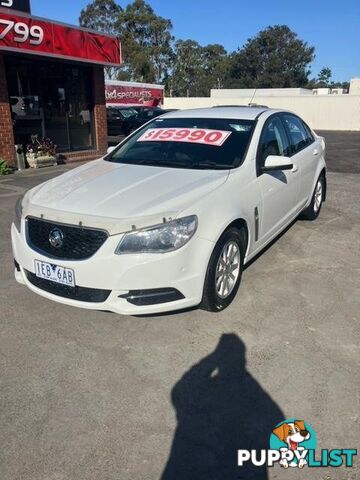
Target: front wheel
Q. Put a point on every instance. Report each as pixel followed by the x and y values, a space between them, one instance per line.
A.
pixel 224 271
pixel 313 210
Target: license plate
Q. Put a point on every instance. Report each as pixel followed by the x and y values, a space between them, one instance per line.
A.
pixel 55 273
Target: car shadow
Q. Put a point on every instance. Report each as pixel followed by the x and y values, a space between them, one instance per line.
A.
pixel 220 408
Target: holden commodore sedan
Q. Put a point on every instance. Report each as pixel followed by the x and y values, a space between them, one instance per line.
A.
pixel 168 219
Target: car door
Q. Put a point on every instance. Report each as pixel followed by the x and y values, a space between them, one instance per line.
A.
pixel 279 189
pixel 306 152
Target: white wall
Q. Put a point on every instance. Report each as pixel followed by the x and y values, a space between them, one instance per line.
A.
pixel 354 86
pixel 261 92
pixel 328 112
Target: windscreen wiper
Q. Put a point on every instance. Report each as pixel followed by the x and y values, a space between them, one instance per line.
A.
pixel 211 166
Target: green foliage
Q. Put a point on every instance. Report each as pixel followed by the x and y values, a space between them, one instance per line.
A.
pixel 146 43
pixel 275 57
pixel 345 85
pixel 4 168
pixel 101 15
pixel 187 69
pixel 215 65
pixel 145 38
pixel 324 76
pixel 197 69
pixel 323 80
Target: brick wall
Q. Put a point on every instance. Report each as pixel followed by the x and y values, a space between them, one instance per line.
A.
pixel 6 129
pixel 100 120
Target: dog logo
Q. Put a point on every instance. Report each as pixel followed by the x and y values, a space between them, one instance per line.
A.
pixel 56 238
pixel 293 443
pixel 289 439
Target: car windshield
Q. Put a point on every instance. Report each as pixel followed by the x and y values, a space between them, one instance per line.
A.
pixel 208 143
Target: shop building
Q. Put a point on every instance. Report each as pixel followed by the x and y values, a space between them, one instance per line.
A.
pixel 52 83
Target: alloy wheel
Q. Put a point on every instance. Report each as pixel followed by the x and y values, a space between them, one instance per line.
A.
pixel 318 196
pixel 227 269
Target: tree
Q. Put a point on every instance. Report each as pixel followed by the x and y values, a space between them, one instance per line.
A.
pixel 196 69
pixel 145 38
pixel 344 85
pixel 324 77
pixel 276 57
pixel 186 71
pixel 146 42
pixel 102 16
pixel 215 68
pixel 322 80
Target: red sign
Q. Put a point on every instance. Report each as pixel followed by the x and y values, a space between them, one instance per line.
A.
pixel 21 33
pixel 130 93
pixel 188 135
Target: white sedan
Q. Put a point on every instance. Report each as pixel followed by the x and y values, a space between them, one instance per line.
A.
pixel 168 219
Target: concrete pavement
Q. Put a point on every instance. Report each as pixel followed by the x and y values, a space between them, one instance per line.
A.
pixel 90 395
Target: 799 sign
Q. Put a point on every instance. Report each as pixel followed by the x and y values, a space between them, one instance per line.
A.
pixel 22 32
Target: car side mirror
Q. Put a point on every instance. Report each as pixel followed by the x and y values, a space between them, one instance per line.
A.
pixel 277 162
pixel 110 150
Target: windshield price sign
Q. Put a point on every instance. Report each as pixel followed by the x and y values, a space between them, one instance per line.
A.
pixel 21 5
pixel 188 135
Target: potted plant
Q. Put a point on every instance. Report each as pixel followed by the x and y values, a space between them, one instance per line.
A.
pixel 41 152
pixel 4 168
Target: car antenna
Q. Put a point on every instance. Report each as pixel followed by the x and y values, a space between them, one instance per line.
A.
pixel 252 98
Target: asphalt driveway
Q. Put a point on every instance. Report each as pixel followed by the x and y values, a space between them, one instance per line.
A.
pixel 95 396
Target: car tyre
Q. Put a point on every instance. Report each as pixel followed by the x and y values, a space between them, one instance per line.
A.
pixel 224 271
pixel 313 210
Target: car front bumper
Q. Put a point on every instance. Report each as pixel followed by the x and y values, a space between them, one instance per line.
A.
pixel 125 276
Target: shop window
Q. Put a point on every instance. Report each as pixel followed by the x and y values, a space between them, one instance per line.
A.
pixel 51 99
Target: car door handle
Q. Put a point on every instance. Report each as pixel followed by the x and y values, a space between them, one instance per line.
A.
pixel 295 168
pixel 316 152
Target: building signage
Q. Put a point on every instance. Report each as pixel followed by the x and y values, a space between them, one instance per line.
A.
pixel 21 5
pixel 32 35
pixel 131 93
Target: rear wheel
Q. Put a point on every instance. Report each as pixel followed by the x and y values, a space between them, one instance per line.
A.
pixel 224 271
pixel 313 210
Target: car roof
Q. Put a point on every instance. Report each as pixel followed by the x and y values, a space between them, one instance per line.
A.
pixel 243 113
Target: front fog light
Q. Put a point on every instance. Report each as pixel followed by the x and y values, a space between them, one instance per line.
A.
pixel 160 238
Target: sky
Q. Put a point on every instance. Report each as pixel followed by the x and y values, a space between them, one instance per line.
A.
pixel 332 27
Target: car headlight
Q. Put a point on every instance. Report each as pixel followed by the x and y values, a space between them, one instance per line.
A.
pixel 18 213
pixel 160 238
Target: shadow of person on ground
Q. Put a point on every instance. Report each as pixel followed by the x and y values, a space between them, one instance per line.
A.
pixel 220 408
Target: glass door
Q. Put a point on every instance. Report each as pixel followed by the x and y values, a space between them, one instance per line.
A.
pixel 56 112
pixel 24 93
pixel 80 108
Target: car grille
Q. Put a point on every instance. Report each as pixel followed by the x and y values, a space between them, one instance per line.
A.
pixel 78 242
pixel 82 294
